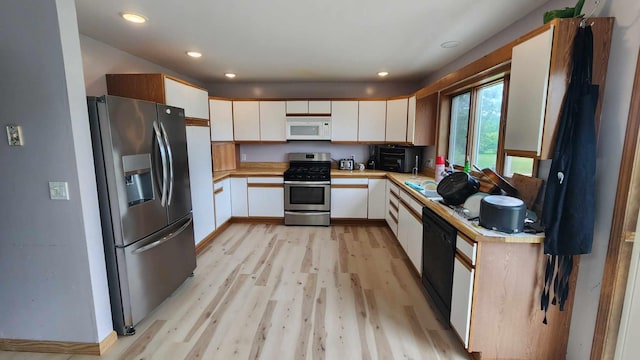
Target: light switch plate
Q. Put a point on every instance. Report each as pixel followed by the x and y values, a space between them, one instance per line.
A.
pixel 58 190
pixel 14 135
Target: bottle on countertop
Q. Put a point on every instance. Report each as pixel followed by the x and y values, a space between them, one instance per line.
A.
pixel 439 168
pixel 467 166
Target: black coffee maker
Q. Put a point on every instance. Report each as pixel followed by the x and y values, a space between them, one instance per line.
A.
pixel 373 157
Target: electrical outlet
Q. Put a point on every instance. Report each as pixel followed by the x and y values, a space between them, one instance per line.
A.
pixel 243 157
pixel 14 135
pixel 429 163
pixel 58 190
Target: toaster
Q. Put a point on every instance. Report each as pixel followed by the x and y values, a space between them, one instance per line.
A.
pixel 346 164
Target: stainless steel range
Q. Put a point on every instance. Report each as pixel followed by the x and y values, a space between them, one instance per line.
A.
pixel 307 189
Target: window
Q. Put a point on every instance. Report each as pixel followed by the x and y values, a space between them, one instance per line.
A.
pixel 474 130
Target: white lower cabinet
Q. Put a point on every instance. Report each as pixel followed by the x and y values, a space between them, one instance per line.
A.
pixel 404 219
pixel 414 243
pixel 461 299
pixel 410 229
pixel 376 201
pixel 391 207
pixel 265 197
pixel 239 207
pixel 222 193
pixel 349 198
pixel 200 177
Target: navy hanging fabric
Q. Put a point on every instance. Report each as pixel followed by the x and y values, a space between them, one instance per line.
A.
pixel 569 202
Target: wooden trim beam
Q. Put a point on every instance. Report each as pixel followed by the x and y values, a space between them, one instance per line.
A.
pixel 189 121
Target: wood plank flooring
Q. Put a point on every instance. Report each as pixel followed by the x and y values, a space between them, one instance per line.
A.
pixel 282 292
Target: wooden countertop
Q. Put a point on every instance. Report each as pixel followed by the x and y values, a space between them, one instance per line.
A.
pixel 469 229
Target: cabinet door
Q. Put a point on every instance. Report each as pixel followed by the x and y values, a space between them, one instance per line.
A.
pixel 461 299
pixel 414 241
pixel 396 123
pixel 319 107
pixel 193 100
pixel 222 192
pixel 344 121
pixel 297 107
pixel 266 201
pixel 376 206
pixel 273 121
pixel 404 227
pixel 349 198
pixel 246 120
pixel 530 64
pixel 221 120
pixel 391 207
pixel 371 120
pixel 239 205
pixel 201 180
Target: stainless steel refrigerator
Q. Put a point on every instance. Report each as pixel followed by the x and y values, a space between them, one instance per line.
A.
pixel 140 152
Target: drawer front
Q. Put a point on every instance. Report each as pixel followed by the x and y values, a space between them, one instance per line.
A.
pixel 409 200
pixel 350 181
pixel 467 247
pixel 265 180
pixel 394 189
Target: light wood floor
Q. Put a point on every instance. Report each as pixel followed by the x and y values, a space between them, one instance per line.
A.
pixel 281 292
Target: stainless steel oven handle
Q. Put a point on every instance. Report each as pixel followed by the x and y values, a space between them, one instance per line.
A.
pixel 310 183
pixel 318 213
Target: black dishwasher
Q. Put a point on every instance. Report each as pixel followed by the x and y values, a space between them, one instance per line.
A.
pixel 438 252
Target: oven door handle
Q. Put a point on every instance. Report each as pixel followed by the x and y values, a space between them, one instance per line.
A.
pixel 310 183
pixel 306 213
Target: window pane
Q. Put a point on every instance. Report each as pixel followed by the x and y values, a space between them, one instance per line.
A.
pixel 485 147
pixel 520 165
pixel 459 125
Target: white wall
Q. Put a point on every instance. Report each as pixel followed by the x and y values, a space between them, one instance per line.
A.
pixel 99 59
pixel 624 51
pixel 52 273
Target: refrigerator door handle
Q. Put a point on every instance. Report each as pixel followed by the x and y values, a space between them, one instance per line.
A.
pixel 163 156
pixel 164 239
pixel 170 157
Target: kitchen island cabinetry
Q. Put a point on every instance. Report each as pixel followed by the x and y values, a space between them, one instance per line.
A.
pixel 265 197
pixel 349 198
pixel 221 119
pixel 222 193
pixel 371 121
pixel 396 121
pixel 163 89
pixel 540 70
pixel 344 121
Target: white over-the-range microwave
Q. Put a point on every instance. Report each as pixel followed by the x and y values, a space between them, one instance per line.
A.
pixel 309 128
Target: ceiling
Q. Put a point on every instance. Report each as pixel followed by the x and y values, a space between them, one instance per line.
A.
pixel 300 40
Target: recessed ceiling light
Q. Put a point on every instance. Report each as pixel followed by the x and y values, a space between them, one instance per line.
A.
pixel 194 54
pixel 134 18
pixel 449 44
pixel 383 73
pixel 230 75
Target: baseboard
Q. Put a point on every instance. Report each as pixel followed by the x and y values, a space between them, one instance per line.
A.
pixel 378 222
pixel 258 220
pixel 59 347
pixel 207 240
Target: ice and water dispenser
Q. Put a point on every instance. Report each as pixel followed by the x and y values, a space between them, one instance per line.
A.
pixel 137 178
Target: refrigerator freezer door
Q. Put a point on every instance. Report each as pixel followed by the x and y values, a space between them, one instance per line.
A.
pixel 127 136
pixel 155 267
pixel 173 129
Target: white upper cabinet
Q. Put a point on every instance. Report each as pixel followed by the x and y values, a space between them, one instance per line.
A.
pixel 221 120
pixel 371 120
pixel 528 86
pixel 193 100
pixel 273 121
pixel 396 121
pixel 246 120
pixel 309 107
pixel 344 121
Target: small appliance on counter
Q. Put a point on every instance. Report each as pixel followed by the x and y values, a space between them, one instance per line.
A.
pixel 502 213
pixel 400 159
pixel 346 164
